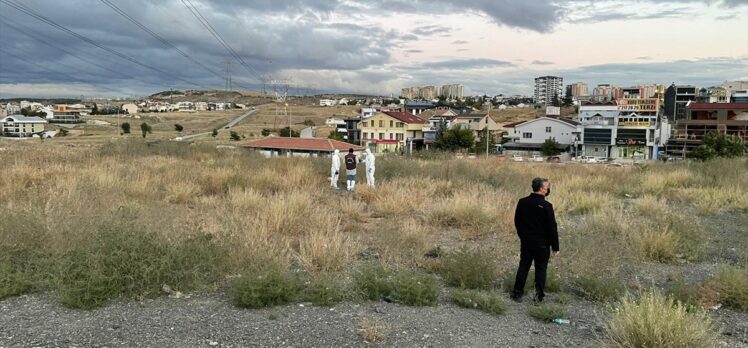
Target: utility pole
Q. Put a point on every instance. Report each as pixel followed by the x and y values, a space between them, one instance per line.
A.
pixel 228 74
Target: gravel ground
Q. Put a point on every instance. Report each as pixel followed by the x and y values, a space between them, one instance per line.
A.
pixel 210 320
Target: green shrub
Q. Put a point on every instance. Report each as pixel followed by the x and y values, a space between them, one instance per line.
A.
pixel 469 269
pixel 264 289
pixel 415 289
pixel 731 285
pixel 487 302
pixel 373 281
pixel 599 288
pixel 18 271
pixel 546 312
pixel 655 320
pixel 126 260
pixel 324 290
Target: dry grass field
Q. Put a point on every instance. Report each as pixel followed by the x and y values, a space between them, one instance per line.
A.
pixel 125 219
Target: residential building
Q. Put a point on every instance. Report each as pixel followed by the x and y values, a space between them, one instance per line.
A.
pixel 299 147
pixel 454 91
pixel 477 122
pixel 713 95
pixel 602 93
pixel 703 118
pixel 739 96
pixel 628 128
pixel 186 106
pixel 732 86
pixel 410 92
pixel 429 93
pixel 66 114
pixel 12 109
pixel 577 90
pixel 201 106
pixel 393 132
pixel 546 87
pixel 676 98
pixel 22 126
pixel 368 112
pixel 353 133
pixel 527 137
pixel 416 107
pixel 327 102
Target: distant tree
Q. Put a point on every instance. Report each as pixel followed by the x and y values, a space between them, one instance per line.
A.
pixel 63 132
pixel 28 112
pixel 549 147
pixel 145 128
pixel 455 139
pixel 265 132
pixel 125 128
pixel 214 133
pixel 335 136
pixel 555 101
pixel 480 143
pixel 720 145
pixel 234 136
pixel 568 100
pixel 178 127
pixel 95 110
pixel 309 123
pixel 284 132
pixel 353 102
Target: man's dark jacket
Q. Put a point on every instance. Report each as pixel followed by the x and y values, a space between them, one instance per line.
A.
pixel 536 223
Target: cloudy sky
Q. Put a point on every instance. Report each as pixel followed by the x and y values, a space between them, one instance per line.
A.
pixel 137 47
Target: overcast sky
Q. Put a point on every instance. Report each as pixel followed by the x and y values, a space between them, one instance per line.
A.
pixel 366 46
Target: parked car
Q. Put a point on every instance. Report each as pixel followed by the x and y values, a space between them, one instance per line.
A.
pixel 472 155
pixel 553 159
pixel 537 158
pixel 517 158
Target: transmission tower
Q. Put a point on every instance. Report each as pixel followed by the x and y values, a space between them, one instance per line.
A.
pixel 280 89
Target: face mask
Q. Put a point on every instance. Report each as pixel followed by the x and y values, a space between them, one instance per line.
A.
pixel 548 193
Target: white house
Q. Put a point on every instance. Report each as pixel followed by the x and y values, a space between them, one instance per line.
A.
pixel 327 102
pixel 130 108
pixel 22 126
pixel 527 137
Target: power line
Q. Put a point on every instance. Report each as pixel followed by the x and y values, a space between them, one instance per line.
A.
pixel 30 33
pixel 54 72
pixel 204 21
pixel 28 11
pixel 164 41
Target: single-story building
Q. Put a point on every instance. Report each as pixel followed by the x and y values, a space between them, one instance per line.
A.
pixel 299 147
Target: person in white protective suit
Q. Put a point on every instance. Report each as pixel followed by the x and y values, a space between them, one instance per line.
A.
pixel 335 169
pixel 369 161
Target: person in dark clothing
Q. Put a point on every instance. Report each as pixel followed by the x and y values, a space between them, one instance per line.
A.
pixel 538 235
pixel 350 170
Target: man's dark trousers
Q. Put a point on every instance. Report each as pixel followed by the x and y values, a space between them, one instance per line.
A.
pixel 529 255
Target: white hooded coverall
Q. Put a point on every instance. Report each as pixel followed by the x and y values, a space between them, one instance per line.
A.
pixel 370 167
pixel 335 169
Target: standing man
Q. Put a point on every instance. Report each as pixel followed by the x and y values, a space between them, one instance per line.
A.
pixel 350 170
pixel 369 160
pixel 335 169
pixel 538 234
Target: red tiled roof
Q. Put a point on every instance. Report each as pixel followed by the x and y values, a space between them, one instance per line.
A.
pixel 308 144
pixel 405 117
pixel 718 106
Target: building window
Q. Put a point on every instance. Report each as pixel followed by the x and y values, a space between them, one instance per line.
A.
pixel 381 135
pixel 400 136
pixel 390 123
pixel 363 124
pixel 547 129
pixel 381 124
pixel 391 136
pixel 371 136
pixel 399 125
pixel 527 135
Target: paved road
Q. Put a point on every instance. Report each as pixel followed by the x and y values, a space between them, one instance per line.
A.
pixel 229 125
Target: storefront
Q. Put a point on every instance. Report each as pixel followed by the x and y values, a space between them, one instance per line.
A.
pixel 632 149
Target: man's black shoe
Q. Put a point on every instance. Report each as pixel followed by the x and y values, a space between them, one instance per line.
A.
pixel 537 299
pixel 515 298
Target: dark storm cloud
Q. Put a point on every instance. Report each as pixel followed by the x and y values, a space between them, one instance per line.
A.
pixel 467 63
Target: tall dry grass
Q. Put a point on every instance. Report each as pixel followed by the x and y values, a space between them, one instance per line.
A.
pixel 280 214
